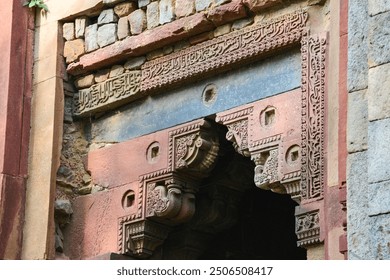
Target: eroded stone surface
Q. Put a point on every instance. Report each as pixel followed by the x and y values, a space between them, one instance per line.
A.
pixel 107 34
pixel 379 194
pixel 378 6
pixel 68 31
pixel 102 75
pixel 125 9
pixel 259 5
pixel 379 37
pixel 241 23
pixel 107 16
pixel 227 13
pixel 85 81
pixel 137 21
pixel 123 28
pixel 80 25
pixel 73 50
pixel 167 11
pixel 135 63
pixel 116 70
pixel 357 45
pixel 201 5
pixel 222 30
pixel 357 121
pixel 184 8
pixel 379 92
pixel 153 15
pixel 379 150
pixel 91 35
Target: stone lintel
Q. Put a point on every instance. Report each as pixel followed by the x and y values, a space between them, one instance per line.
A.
pixel 212 56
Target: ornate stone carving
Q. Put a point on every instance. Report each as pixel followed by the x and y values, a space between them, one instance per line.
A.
pixel 313 117
pixel 170 200
pixel 143 237
pixel 215 54
pixel 194 148
pixel 307 228
pixel 167 196
pixel 99 96
pixel 237 124
pixel 266 170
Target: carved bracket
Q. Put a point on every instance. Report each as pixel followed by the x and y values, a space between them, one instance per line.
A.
pixel 168 195
pixel 308 221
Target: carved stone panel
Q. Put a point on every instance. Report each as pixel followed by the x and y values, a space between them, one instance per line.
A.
pixel 313 117
pixel 213 56
pixel 269 132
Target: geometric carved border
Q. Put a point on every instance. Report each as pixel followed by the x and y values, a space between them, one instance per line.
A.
pixel 313 117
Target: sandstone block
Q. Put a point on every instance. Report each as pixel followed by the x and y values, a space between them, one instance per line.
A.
pixel 107 16
pixel 357 122
pixel 201 38
pixel 80 25
pixel 181 45
pixel 158 37
pixel 143 3
pixel 222 30
pixel 378 6
pixel 155 54
pixel 73 50
pixel 123 28
pixel 379 38
pixel 227 13
pixel 241 23
pixel 357 45
pixel 379 92
pixel 201 5
pixel 184 8
pixel 116 70
pixel 85 82
pixel 102 75
pixel 125 9
pixel 167 12
pixel 137 21
pixel 258 5
pixel 91 34
pixel 68 31
pixel 357 197
pixel 379 194
pixel 379 151
pixel 135 63
pixel 107 34
pixel 153 15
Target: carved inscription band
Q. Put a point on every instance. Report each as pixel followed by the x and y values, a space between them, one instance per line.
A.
pixel 238 46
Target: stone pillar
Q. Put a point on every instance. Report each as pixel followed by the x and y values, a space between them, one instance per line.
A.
pixel 16 44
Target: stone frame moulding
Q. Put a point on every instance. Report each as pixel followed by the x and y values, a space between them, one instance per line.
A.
pixel 166 197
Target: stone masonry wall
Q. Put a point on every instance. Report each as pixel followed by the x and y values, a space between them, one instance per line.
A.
pixel 368 178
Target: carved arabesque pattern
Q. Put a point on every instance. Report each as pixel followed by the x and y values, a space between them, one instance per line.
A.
pixel 238 134
pixel 313 117
pixel 307 228
pixel 266 170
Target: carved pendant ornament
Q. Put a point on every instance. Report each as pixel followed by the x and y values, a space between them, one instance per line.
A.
pixel 288 154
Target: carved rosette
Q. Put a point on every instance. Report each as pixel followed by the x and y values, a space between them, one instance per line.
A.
pixel 307 228
pixel 313 117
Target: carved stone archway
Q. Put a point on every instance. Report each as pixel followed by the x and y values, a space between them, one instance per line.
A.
pixel 284 135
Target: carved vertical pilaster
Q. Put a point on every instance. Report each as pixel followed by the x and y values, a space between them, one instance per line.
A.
pixel 313 117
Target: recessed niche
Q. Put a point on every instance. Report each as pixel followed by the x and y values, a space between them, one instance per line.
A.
pixel 153 152
pixel 292 155
pixel 209 94
pixel 128 199
pixel 268 116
